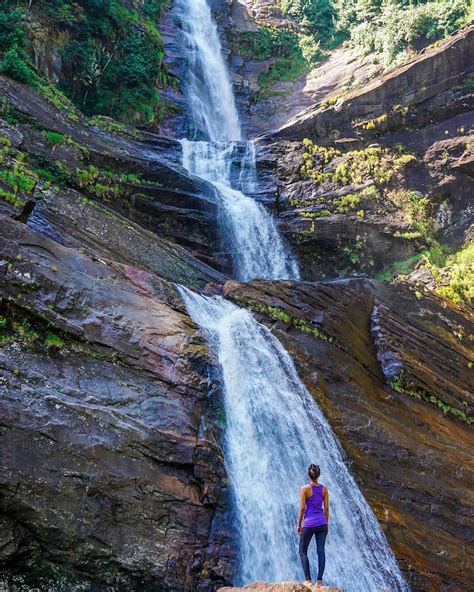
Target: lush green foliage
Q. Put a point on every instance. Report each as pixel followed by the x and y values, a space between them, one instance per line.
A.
pixel 374 163
pixel 392 26
pixel 268 42
pixel 112 57
pixel 317 18
pixel 455 277
pixel 14 59
pixel 388 26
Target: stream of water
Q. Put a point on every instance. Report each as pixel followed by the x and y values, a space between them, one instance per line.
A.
pixel 274 428
pixel 250 234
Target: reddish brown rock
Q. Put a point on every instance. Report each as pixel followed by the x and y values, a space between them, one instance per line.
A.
pixel 110 469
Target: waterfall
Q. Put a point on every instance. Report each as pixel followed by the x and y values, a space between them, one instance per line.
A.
pixel 252 238
pixel 209 88
pixel 274 430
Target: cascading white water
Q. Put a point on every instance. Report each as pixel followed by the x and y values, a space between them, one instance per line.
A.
pixel 208 88
pixel 256 247
pixel 274 429
pixel 254 243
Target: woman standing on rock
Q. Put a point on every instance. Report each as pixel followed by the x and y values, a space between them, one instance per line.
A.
pixel 313 519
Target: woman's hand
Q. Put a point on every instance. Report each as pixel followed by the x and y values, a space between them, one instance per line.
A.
pixel 298 529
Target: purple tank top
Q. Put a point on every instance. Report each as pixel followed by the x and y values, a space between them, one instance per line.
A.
pixel 314 514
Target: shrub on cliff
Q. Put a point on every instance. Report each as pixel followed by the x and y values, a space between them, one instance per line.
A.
pixel 112 57
pixel 389 27
pixel 392 26
pixel 317 17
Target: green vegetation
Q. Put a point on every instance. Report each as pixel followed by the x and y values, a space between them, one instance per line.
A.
pixel 416 208
pixel 393 26
pixel 55 137
pixel 292 56
pixel 347 203
pixel 18 325
pixel 111 126
pixel 15 59
pixel 103 184
pixel 376 125
pixel 455 276
pixel 390 27
pixel 316 17
pixel 355 166
pixel 399 269
pixel 53 341
pixel 112 57
pixel 16 176
pixel 452 273
pixel 278 314
pixel 7 112
pixel 402 384
pixel 52 173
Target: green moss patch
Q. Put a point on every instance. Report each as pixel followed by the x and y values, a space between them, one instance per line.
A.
pixel 19 325
pixel 278 314
pixel 402 384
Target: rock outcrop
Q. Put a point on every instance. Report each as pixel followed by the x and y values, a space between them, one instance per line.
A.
pixel 281 587
pixel 136 175
pixel 111 469
pixel 342 217
pixel 434 73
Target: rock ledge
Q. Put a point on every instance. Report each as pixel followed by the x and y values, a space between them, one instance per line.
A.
pixel 281 587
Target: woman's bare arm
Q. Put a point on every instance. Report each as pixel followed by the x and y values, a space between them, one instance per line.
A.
pixel 302 509
pixel 326 503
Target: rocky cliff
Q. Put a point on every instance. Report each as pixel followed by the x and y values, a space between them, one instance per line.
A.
pixel 383 172
pixel 112 475
pixel 111 468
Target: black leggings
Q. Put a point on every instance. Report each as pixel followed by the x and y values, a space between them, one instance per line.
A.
pixel 320 532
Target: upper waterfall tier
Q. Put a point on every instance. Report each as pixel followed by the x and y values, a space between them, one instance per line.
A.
pixel 210 90
pixel 250 234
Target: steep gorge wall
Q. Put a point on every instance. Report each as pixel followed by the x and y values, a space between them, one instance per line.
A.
pixel 104 372
pixel 378 360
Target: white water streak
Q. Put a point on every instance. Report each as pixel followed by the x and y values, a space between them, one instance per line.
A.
pixel 209 88
pixel 256 247
pixel 252 238
pixel 274 430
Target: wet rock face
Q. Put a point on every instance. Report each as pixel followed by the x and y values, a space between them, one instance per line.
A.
pixel 151 187
pixel 110 468
pixel 392 374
